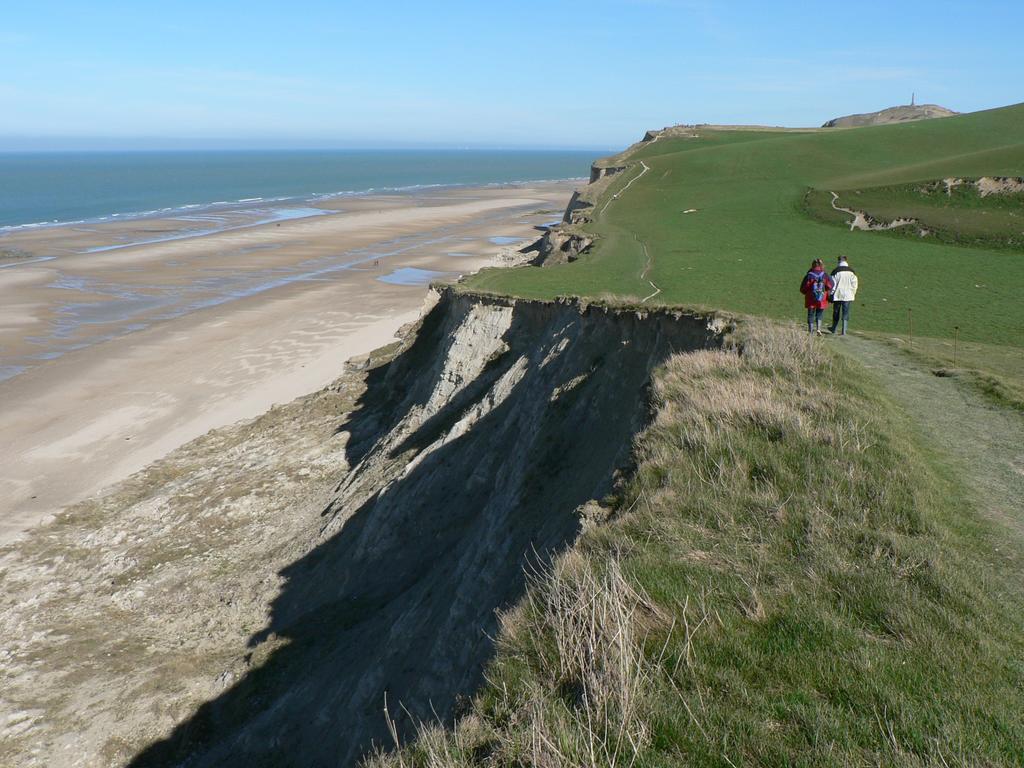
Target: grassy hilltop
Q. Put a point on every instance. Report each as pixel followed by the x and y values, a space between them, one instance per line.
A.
pixel 753 233
pixel 818 558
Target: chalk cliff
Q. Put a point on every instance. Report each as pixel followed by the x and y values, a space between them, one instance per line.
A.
pixel 259 594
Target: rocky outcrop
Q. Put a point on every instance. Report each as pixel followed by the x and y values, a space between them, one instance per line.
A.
pixel 565 242
pixel 598 172
pixel 999 185
pixel 986 185
pixel 578 209
pixel 903 114
pixel 561 245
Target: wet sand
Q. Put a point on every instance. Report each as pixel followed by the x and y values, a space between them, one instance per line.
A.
pixel 115 356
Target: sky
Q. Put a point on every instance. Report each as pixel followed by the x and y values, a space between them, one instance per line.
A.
pixel 381 74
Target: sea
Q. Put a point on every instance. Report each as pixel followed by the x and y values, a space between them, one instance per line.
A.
pixel 48 188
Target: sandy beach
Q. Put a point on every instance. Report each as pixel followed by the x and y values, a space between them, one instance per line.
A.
pixel 112 354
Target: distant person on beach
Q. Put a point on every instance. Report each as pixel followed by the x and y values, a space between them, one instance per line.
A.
pixel 816 287
pixel 844 291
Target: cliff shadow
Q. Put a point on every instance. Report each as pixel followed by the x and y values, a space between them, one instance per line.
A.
pixel 401 599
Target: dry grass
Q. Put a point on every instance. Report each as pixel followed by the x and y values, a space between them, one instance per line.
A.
pixel 586 629
pixel 785 581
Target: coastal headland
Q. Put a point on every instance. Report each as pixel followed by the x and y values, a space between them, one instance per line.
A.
pixel 570 518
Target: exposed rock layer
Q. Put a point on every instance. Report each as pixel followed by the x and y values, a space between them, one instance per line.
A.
pixel 560 245
pixel 987 185
pixel 472 452
pixel 251 599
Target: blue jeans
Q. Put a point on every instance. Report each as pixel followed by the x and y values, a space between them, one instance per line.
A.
pixel 814 319
pixel 840 309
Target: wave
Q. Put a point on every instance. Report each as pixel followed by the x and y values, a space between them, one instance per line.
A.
pixel 271 216
pixel 235 205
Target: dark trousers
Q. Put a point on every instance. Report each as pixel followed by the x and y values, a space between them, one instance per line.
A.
pixel 840 309
pixel 814 319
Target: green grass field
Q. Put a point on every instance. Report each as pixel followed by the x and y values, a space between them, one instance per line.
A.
pixel 751 240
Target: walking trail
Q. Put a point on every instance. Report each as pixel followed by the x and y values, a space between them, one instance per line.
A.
pixel 648 263
pixel 622 191
pixel 647 255
pixel 981 442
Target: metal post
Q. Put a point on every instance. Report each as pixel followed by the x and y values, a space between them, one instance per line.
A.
pixel 956 338
pixel 910 324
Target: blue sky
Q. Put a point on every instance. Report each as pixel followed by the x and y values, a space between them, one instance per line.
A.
pixel 527 74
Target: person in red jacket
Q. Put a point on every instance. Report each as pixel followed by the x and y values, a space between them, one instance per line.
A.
pixel 816 287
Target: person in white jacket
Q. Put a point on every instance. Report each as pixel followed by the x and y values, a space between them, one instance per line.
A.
pixel 844 291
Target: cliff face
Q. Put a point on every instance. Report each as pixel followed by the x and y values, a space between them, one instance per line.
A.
pixel 577 209
pixel 472 452
pixel 566 241
pixel 254 598
pixel 598 172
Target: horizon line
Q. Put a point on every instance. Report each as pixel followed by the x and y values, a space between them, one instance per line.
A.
pixel 21 144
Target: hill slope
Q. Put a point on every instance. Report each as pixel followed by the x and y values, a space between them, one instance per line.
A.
pixel 903 114
pixel 718 220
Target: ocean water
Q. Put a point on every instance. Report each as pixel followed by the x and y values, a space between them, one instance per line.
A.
pixel 40 188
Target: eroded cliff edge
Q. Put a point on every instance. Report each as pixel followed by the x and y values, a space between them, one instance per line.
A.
pixel 250 624
pixel 567 240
